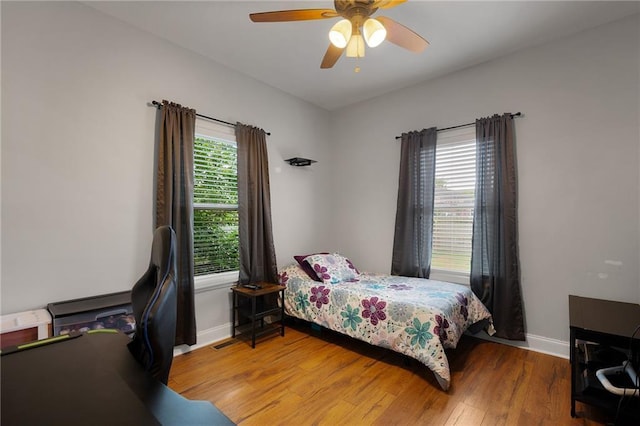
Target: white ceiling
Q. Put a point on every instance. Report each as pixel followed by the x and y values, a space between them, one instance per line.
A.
pixel 287 55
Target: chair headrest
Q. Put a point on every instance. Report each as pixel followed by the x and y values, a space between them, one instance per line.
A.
pixel 162 252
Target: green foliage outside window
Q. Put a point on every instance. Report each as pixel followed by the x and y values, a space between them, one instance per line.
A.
pixel 215 215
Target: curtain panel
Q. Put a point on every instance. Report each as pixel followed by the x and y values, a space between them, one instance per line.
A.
pixel 414 214
pixel 495 264
pixel 257 253
pixel 174 205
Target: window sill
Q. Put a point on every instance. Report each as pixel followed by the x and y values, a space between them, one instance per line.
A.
pixel 449 276
pixel 214 281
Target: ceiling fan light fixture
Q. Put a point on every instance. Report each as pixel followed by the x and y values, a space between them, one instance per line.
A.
pixel 374 32
pixel 354 29
pixel 340 33
pixel 355 47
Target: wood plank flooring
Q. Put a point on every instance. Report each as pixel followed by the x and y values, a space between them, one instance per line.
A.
pixel 312 378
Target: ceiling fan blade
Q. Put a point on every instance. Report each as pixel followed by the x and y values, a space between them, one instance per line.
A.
pixel 387 4
pixel 331 57
pixel 403 36
pixel 293 15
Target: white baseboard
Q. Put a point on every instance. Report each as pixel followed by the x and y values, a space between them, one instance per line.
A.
pixel 534 343
pixel 205 338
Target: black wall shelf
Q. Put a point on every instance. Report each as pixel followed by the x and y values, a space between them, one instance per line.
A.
pixel 299 161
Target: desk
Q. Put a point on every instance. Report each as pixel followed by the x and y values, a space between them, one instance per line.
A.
pixel 602 322
pixel 92 380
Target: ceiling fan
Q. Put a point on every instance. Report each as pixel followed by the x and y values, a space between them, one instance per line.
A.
pixel 357 22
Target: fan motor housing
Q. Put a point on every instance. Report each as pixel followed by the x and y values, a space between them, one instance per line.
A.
pixel 355 8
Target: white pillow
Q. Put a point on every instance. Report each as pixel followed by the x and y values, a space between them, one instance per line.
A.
pixel 333 268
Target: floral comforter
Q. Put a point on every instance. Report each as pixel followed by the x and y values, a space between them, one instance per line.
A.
pixel 413 316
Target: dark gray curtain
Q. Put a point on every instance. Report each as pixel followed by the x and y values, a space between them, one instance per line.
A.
pixel 174 204
pixel 414 214
pixel 257 253
pixel 495 265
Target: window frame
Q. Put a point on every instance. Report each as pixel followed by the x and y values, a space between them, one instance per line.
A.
pixel 224 133
pixel 453 136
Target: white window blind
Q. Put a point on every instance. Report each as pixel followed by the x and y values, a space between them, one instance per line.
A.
pixel 215 202
pixel 455 179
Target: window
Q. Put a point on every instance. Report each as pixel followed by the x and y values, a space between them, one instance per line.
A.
pixel 455 179
pixel 215 200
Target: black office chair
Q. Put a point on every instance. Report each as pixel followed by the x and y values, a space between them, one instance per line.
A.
pixel 154 303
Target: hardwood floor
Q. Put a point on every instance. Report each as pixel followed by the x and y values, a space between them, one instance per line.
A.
pixel 312 378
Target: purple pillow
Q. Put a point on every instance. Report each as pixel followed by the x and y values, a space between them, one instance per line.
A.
pixel 308 269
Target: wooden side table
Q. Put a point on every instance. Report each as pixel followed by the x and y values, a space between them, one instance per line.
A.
pixel 259 308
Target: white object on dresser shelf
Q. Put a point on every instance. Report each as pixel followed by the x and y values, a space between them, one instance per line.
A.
pixel 626 367
pixel 39 319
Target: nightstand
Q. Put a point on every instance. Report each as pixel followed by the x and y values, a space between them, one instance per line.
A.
pixel 596 327
pixel 257 307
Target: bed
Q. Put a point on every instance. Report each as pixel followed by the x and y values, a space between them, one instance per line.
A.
pixel 413 316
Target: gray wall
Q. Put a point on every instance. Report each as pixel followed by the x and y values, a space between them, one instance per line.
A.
pixel 577 148
pixel 78 148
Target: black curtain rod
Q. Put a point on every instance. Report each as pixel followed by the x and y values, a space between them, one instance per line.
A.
pixel 517 114
pixel 159 105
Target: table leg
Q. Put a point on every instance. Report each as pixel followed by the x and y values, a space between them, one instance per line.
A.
pixel 234 301
pixel 282 313
pixel 572 359
pixel 253 322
